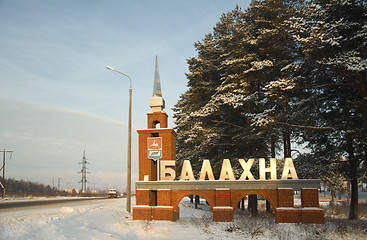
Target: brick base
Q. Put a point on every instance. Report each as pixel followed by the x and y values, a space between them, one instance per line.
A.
pixel 300 215
pixel 142 213
pixel 312 215
pixel 288 215
pixel 222 214
pixel 162 204
pixel 166 213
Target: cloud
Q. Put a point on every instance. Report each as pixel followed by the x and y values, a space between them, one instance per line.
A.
pixel 48 143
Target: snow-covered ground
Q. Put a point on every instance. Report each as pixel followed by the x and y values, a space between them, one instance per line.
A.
pixel 107 219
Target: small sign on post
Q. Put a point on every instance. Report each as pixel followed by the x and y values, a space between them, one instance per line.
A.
pixel 154 148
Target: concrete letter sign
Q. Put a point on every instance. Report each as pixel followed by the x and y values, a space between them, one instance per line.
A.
pixel 166 169
pixel 206 170
pixel 186 172
pixel 227 172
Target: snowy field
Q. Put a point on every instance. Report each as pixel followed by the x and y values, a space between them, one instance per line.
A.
pixel 107 219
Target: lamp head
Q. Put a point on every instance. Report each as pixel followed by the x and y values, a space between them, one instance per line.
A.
pixel 110 68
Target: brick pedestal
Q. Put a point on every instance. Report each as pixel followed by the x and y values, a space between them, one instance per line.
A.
pixel 166 213
pixel 309 213
pixel 285 197
pixel 288 215
pixel 312 215
pixel 310 197
pixel 142 213
pixel 222 214
pixel 222 197
pixel 142 197
pixel 300 215
pixel 163 197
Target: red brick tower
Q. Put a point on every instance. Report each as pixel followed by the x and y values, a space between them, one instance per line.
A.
pixel 158 142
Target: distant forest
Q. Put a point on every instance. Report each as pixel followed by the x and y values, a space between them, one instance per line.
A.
pixel 21 186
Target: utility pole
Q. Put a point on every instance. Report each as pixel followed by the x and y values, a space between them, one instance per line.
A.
pixel 84 173
pixel 3 168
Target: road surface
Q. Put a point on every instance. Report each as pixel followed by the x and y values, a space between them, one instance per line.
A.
pixel 23 203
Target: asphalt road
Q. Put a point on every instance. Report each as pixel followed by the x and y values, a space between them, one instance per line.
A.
pixel 18 204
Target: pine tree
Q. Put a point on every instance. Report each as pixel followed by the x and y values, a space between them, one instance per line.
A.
pixel 281 68
pixel 222 113
pixel 332 83
pixel 275 47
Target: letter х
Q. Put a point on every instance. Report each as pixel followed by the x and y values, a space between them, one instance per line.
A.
pixel 246 168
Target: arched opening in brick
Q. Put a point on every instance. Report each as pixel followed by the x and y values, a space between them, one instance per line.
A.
pixel 195 206
pixel 253 205
pixel 156 124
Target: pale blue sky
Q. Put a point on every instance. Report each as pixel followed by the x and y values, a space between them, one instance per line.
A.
pixel 58 99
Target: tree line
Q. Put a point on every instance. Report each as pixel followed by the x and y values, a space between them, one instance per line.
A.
pixel 21 186
pixel 277 74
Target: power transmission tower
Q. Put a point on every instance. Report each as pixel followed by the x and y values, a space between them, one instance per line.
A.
pixel 3 168
pixel 84 173
pixel 58 184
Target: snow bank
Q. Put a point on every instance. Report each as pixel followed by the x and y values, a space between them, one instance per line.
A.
pixel 107 219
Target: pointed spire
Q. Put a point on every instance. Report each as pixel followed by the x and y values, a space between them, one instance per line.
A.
pixel 157 102
pixel 157 82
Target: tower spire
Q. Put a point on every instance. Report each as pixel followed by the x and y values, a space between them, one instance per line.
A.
pixel 157 82
pixel 157 102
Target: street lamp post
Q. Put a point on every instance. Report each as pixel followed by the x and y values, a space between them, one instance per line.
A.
pixel 128 187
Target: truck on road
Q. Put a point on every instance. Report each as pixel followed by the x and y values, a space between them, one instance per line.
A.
pixel 112 193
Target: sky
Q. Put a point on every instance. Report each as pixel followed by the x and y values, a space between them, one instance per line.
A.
pixel 57 97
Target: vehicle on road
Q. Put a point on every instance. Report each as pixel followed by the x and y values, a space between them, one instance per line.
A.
pixel 112 193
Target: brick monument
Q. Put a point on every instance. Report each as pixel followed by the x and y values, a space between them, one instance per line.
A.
pixel 158 193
